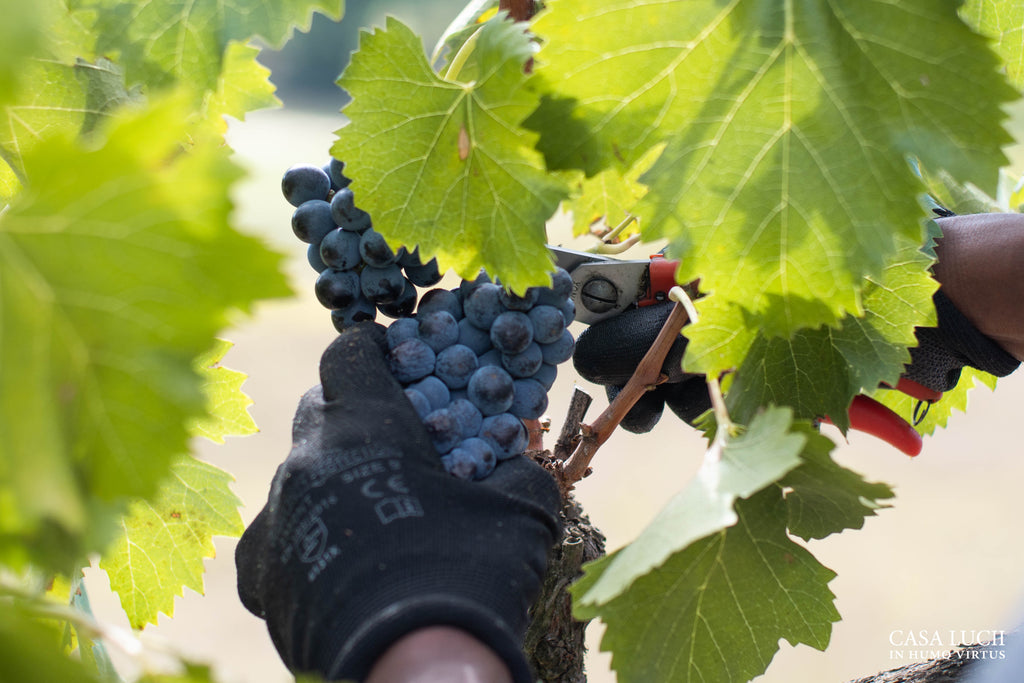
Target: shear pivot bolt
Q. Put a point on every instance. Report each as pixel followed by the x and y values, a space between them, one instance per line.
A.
pixel 599 295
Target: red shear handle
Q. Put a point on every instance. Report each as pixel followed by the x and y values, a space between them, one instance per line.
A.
pixel 662 279
pixel 869 416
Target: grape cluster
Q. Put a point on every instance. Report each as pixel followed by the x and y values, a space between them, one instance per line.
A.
pixel 474 361
pixel 359 272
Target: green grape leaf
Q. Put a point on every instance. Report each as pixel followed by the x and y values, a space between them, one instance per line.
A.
pixel 825 498
pixel 242 86
pixel 65 98
pixel 226 404
pixel 734 467
pixel 445 165
pixel 1003 22
pixel 186 41
pixel 9 183
pixel 784 182
pixel 121 285
pixel 165 541
pixel 715 611
pixel 21 34
pixel 609 195
pixel 819 371
pixel 926 418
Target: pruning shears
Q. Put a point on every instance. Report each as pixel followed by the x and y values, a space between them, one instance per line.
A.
pixel 604 287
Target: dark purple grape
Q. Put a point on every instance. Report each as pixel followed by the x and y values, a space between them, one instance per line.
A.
pixel 411 360
pixel 425 275
pixel 468 415
pixel 440 300
pixel 419 402
pixel 506 433
pixel 559 291
pixel 460 463
pixel 483 306
pixel 559 350
pixel 311 221
pixel 343 206
pixel 313 256
pixel 403 305
pixel 336 172
pixel 525 363
pixel 375 250
pixel 467 287
pixel 438 329
pixel 337 288
pixel 512 332
pixel 401 330
pixel 531 399
pixel 491 390
pixel 568 309
pixel 304 182
pixel 359 223
pixel 548 324
pixel 443 430
pixel 546 375
pixel 474 337
pixel 358 311
pixel 382 285
pixel 435 391
pixel 492 357
pixel 340 249
pixel 517 302
pixel 456 364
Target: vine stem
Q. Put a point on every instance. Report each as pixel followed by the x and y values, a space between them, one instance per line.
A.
pixel 647 376
pixel 518 10
pixel 459 60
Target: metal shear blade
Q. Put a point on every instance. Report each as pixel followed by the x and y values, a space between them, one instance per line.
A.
pixel 603 287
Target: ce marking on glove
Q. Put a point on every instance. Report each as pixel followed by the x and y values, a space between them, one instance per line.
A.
pixel 393 498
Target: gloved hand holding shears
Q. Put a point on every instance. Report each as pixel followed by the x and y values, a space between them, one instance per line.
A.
pixel 980 307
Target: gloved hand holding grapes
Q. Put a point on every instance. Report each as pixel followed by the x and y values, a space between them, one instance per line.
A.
pixel 365 538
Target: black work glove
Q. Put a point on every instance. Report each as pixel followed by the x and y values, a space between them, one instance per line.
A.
pixel 366 538
pixel 943 351
pixel 608 353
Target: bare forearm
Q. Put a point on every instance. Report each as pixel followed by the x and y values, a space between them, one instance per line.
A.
pixel 439 654
pixel 981 268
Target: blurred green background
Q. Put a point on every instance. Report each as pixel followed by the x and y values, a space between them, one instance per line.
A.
pixel 946 556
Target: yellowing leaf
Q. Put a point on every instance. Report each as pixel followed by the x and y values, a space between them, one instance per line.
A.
pixel 1003 21
pixel 164 543
pixel 445 165
pixel 242 86
pixel 226 404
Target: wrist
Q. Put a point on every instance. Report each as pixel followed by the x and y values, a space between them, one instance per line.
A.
pixel 439 654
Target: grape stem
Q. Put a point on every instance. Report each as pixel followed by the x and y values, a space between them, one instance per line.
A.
pixel 569 437
pixel 647 376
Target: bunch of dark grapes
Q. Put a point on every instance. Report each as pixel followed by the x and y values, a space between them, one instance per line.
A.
pixel 475 361
pixel 359 272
